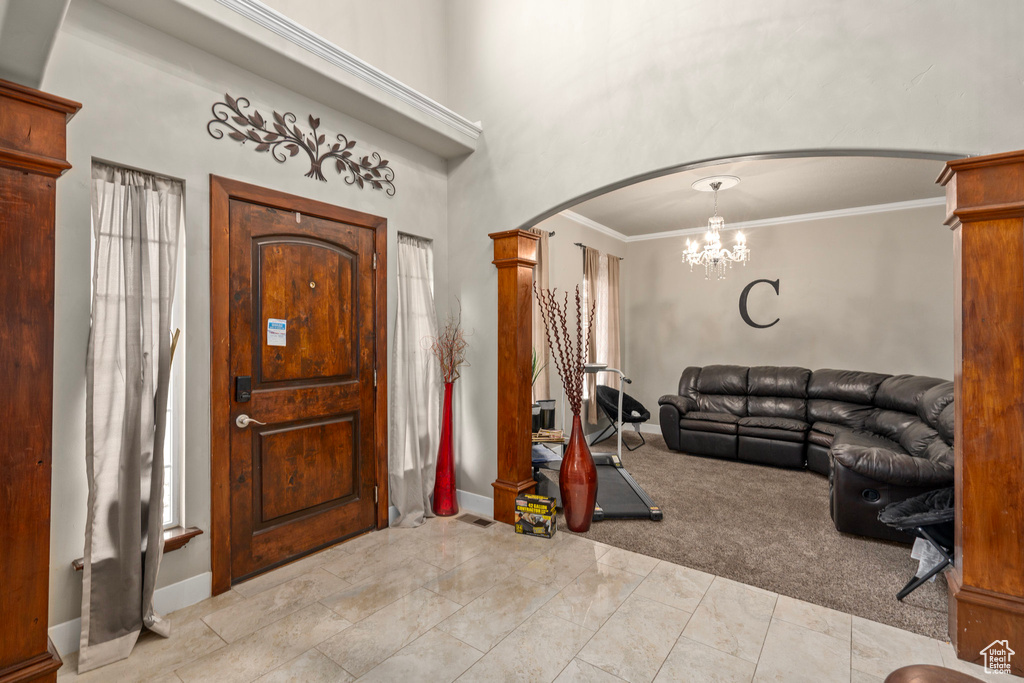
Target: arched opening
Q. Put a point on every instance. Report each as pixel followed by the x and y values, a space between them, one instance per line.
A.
pixel 881 252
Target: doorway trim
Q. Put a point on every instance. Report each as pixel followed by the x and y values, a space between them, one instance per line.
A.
pixel 222 191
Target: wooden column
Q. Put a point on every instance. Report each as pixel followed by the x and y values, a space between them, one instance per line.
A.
pixel 985 209
pixel 515 255
pixel 32 151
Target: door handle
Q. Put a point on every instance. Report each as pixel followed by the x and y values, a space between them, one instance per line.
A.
pixel 243 421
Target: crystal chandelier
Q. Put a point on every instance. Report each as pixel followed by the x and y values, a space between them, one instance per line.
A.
pixel 713 256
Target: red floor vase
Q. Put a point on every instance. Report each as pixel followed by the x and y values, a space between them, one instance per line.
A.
pixel 445 503
pixel 577 480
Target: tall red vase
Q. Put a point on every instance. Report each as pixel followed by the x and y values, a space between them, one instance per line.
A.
pixel 577 480
pixel 445 503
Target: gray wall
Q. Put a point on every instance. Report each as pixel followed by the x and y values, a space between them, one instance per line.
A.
pixel 581 94
pixel 872 292
pixel 405 39
pixel 146 100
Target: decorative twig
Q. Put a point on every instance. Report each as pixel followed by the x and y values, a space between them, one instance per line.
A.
pixel 282 132
pixel 449 347
pixel 568 357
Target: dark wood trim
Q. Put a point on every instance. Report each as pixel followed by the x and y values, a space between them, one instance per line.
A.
pixel 985 207
pixel 175 538
pixel 33 163
pixel 381 365
pixel 36 669
pixel 37 98
pixel 222 190
pixel 515 255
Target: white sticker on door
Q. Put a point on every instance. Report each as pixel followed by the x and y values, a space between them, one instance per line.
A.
pixel 277 332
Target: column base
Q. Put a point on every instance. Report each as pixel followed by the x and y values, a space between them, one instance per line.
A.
pixel 43 667
pixel 505 493
pixel 979 617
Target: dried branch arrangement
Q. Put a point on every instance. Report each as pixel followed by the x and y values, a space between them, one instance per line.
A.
pixel 568 355
pixel 449 347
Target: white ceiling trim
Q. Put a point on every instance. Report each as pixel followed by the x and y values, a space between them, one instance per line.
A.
pixel 594 225
pixel 764 222
pixel 299 35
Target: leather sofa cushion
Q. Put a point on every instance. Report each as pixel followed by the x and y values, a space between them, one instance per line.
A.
pixel 933 402
pixel 944 425
pixel 851 415
pixel 778 381
pixel 707 426
pixel 713 403
pixel 823 433
pixel 709 416
pixel 890 423
pixel 783 423
pixel 777 406
pixel 680 403
pixel 688 383
pixel 940 453
pixel 771 434
pixel 891 467
pixel 723 379
pixel 916 438
pixel 865 439
pixel 844 385
pixel 904 392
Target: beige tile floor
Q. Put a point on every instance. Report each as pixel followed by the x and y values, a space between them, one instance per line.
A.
pixel 450 601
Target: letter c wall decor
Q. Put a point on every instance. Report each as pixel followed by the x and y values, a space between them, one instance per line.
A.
pixel 743 303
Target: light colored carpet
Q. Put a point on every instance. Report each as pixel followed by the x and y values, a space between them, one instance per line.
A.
pixel 768 527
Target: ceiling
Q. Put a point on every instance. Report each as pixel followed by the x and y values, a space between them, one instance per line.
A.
pixel 768 188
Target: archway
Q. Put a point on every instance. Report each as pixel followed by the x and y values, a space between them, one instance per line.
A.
pixel 985 208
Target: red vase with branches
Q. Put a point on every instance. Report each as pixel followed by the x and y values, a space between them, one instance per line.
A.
pixel 577 477
pixel 449 348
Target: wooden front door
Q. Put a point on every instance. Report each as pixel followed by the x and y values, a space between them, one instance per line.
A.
pixel 302 369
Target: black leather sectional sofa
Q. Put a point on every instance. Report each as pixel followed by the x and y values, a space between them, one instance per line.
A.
pixel 879 438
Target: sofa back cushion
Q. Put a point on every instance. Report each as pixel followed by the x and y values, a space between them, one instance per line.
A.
pixel 777 392
pixel 932 409
pixel 722 389
pixel 688 383
pixel 853 415
pixel 848 386
pixel 904 392
pixel 890 423
pixel 916 438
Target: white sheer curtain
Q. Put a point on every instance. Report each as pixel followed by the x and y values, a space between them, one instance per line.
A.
pixel 136 220
pixel 415 396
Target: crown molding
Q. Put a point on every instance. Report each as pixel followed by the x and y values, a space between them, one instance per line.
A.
pixel 594 225
pixel 781 220
pixel 299 35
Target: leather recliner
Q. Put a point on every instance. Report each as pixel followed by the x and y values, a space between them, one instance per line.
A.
pixel 879 438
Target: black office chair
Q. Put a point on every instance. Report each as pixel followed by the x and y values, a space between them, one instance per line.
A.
pixel 633 412
pixel 928 516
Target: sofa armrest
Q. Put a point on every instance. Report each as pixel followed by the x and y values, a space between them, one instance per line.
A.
pixel 683 404
pixel 890 467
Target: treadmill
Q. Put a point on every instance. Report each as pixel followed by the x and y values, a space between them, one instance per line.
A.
pixel 619 496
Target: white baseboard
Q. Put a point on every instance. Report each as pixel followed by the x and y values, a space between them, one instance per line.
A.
pixel 475 503
pixel 66 637
pixel 648 428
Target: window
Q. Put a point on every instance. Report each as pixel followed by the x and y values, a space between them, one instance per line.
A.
pixel 174 439
pixel 174 436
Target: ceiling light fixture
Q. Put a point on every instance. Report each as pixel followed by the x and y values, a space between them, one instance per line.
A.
pixel 714 257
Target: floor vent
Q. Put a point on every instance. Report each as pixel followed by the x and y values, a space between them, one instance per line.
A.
pixel 475 520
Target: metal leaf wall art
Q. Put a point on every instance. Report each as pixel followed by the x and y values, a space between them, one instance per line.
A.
pixel 283 139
